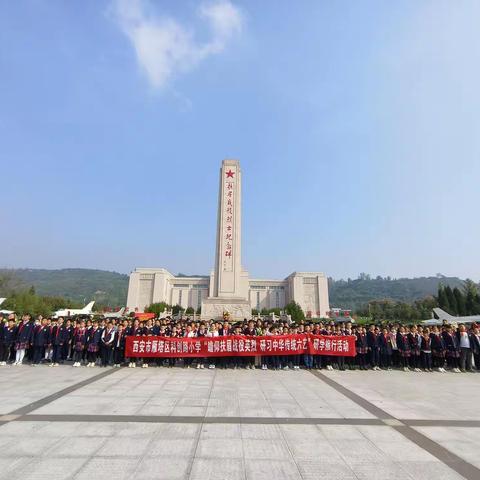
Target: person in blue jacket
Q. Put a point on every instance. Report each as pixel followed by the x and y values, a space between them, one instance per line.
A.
pixel 23 338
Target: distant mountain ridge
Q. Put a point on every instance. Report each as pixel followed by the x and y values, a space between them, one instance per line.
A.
pixel 110 288
pixel 78 284
pixel 351 294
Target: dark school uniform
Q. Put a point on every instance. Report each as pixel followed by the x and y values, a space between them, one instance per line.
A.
pixel 67 345
pixel 7 339
pixel 438 350
pixel 403 348
pixel 249 361
pixel 386 350
pixel 79 342
pixel 475 343
pixel 451 349
pixel 41 337
pixel 108 337
pixel 361 347
pixel 373 349
pixel 94 337
pixel 225 362
pixel 59 337
pixel 426 352
pixel 119 347
pixel 24 336
pixel 414 342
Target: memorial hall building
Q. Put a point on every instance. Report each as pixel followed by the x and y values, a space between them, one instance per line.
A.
pixel 151 285
pixel 228 289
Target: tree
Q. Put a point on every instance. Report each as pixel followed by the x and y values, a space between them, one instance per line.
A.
pixel 176 309
pixel 198 311
pixel 451 300
pixel 157 308
pixel 443 299
pixel 254 312
pixel 264 312
pixel 275 311
pixel 470 291
pixel 189 311
pixel 295 311
pixel 460 299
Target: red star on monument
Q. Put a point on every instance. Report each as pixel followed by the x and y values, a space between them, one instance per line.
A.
pixel 230 174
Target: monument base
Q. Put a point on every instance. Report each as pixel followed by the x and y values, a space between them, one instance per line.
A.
pixel 215 308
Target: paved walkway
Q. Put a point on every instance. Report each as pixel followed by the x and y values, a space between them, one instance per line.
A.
pixel 188 424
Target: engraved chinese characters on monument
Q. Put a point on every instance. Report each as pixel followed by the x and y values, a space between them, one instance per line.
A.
pixel 229 201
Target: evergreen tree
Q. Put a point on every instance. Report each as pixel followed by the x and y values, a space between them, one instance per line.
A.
pixel 295 311
pixel 452 302
pixel 156 308
pixel 460 299
pixel 470 291
pixel 443 299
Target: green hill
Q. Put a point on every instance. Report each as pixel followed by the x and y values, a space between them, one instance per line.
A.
pixel 352 294
pixel 110 288
pixel 78 284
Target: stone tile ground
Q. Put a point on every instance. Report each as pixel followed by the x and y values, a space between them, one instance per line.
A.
pixel 144 447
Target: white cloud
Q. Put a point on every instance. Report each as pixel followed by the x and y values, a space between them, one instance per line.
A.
pixel 164 47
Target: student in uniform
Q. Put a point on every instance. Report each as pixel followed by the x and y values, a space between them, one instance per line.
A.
pixel 372 348
pixel 40 341
pixel 361 347
pixel 59 337
pixel 49 349
pixel 250 331
pixel 107 339
pixel 403 348
pixel 295 358
pixel 426 350
pixel 475 338
pixel 438 350
pixel 23 339
pixel 225 331
pixel 385 344
pixel 7 339
pixel 79 342
pixel 452 349
pixel 212 332
pixel 201 333
pixel 67 345
pixel 414 343
pixel 119 346
pixel 94 338
pixel 465 347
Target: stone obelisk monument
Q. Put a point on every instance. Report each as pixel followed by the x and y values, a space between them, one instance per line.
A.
pixel 228 282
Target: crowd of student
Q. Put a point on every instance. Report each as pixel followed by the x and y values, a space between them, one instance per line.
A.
pixel 102 342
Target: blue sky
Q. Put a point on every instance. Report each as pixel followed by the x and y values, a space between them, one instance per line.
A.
pixel 357 125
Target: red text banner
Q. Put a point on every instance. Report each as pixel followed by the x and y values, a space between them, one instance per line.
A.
pixel 239 345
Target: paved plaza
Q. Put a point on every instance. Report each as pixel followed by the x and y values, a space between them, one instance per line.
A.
pixel 223 424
